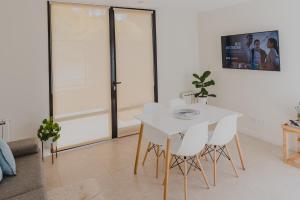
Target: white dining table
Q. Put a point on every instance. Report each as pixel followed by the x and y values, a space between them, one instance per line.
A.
pixel 165 121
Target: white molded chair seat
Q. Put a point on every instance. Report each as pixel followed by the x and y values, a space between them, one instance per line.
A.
pixel 176 142
pixel 210 134
pixel 224 131
pixel 186 149
pixel 154 136
pixel 218 140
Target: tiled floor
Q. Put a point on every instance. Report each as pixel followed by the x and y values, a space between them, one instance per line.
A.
pixel 111 164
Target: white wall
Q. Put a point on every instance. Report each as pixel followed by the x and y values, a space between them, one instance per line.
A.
pixel 23 65
pixel 24 60
pixel 266 99
pixel 178 51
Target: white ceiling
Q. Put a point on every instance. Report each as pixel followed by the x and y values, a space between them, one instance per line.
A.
pixel 201 5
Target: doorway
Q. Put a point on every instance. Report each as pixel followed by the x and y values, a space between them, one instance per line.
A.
pixel 134 73
pixel 102 70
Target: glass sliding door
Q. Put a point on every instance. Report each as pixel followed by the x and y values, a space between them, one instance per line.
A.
pixel 81 72
pixel 102 70
pixel 134 66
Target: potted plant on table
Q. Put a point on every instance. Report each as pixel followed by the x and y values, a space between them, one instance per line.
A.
pixel 48 133
pixel 201 84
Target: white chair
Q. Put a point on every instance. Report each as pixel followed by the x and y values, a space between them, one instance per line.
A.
pixel 156 140
pixel 219 138
pixel 177 103
pixel 185 149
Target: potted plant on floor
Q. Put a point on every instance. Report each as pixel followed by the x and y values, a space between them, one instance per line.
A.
pixel 201 84
pixel 48 133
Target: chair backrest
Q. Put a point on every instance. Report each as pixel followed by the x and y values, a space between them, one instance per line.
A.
pixel 224 131
pixel 177 102
pixel 149 132
pixel 194 140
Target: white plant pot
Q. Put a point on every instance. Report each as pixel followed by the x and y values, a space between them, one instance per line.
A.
pixel 47 144
pixel 202 100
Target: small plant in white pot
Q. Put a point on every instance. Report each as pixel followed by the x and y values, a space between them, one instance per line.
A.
pixel 201 84
pixel 49 132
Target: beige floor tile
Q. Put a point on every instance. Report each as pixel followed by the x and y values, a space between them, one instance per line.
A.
pixel 111 164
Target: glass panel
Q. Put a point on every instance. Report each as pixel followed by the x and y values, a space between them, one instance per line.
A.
pixel 134 50
pixel 81 72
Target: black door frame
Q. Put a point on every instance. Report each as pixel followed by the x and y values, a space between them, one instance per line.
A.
pixel 114 88
pixel 50 59
pixel 113 65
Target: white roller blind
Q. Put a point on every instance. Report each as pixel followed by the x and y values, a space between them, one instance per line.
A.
pixel 134 50
pixel 80 58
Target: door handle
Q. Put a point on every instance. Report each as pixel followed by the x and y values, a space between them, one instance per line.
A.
pixel 117 83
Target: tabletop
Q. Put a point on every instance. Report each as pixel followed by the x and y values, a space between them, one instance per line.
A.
pixel 165 121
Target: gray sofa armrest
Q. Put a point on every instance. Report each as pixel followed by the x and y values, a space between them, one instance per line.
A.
pixel 24 147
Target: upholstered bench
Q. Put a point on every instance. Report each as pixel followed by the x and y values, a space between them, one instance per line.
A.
pixel 28 183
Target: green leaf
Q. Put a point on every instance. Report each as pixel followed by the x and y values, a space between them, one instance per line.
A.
pixel 195 82
pixel 203 92
pixel 197 94
pixel 196 76
pixel 199 86
pixel 209 83
pixel 55 138
pixel 204 76
pixel 39 135
pixel 49 129
pixel 212 95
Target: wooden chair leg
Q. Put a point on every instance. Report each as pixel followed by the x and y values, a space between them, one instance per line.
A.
pixel 185 179
pixel 232 164
pixel 138 149
pixel 202 172
pixel 215 165
pixel 237 141
pixel 146 154
pixel 157 160
pixel 170 167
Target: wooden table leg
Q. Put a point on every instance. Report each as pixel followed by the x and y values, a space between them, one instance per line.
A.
pixel 237 141
pixel 167 168
pixel 285 146
pixel 138 149
pixel 157 160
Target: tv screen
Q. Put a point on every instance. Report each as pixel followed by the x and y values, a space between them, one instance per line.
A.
pixel 254 51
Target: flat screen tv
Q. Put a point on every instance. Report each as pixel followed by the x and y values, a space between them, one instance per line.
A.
pixel 254 51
